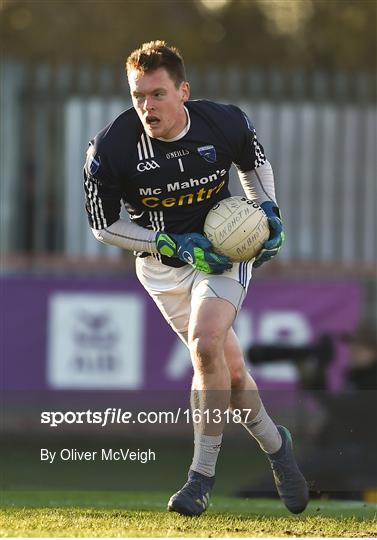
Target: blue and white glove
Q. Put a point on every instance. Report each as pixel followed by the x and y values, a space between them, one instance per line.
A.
pixel 273 244
pixel 194 249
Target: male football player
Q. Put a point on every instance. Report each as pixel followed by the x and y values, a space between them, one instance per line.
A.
pixel 168 159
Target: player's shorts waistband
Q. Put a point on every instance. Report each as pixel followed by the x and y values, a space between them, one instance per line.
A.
pixel 168 261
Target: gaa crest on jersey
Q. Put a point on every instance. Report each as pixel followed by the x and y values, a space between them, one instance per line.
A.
pixel 208 153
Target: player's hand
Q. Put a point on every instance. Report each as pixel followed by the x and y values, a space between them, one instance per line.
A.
pixel 273 244
pixel 194 249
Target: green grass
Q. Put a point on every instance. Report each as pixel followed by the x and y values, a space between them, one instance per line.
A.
pixel 125 514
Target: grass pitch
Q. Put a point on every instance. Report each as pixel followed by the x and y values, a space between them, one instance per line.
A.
pixel 126 514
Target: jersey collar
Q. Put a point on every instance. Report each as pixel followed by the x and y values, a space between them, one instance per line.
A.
pixel 182 133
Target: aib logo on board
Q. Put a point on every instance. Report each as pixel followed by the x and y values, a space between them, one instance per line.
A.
pixel 96 340
pixel 208 153
pixel 93 347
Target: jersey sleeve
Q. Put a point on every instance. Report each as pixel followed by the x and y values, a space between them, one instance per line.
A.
pixel 102 189
pixel 248 151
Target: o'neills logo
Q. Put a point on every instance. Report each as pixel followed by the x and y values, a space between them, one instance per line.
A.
pixel 177 154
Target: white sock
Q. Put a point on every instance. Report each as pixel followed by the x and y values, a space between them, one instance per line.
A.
pixel 264 431
pixel 207 448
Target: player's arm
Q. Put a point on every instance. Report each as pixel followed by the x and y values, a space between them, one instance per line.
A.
pixel 194 249
pixel 127 235
pixel 103 202
pixel 257 180
pixel 258 184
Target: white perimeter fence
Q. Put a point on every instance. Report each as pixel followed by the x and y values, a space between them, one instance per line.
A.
pixel 318 131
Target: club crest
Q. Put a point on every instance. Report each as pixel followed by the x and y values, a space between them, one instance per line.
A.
pixel 208 153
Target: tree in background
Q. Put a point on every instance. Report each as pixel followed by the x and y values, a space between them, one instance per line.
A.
pixel 336 34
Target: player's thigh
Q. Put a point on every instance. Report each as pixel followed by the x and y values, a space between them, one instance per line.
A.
pixel 210 321
pixel 231 286
pixel 216 300
pixel 170 288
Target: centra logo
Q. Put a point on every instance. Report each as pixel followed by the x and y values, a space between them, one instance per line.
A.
pixel 147 166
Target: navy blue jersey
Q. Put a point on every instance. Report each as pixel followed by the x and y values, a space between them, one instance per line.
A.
pixel 168 186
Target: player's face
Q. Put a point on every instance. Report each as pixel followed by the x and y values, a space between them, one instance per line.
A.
pixel 159 103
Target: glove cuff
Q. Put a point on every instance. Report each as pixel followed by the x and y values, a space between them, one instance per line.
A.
pixel 271 209
pixel 166 245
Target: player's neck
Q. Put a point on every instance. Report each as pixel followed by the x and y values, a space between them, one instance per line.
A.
pixel 182 131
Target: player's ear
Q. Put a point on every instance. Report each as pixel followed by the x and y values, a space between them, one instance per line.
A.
pixel 185 91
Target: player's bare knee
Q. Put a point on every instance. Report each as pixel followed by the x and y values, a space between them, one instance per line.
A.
pixel 206 350
pixel 238 377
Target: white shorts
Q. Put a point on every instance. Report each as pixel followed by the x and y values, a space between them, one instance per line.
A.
pixel 174 289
